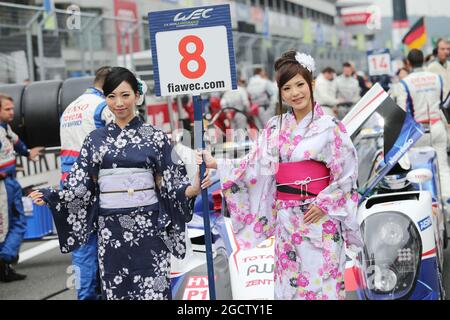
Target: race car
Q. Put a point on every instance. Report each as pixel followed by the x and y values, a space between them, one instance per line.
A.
pixel 401 213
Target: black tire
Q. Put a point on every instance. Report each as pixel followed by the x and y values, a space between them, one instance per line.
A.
pixel 72 89
pixel 41 113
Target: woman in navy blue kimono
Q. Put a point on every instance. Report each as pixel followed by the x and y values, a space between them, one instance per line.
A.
pixel 129 187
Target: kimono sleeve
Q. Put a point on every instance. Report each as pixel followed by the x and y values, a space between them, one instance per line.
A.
pixel 175 208
pixel 75 207
pixel 248 185
pixel 340 199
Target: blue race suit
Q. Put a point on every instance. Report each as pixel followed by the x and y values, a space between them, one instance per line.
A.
pixel 11 240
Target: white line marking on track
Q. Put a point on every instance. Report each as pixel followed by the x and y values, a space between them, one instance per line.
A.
pixel 40 249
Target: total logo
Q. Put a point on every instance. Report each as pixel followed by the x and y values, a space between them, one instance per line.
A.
pixel 195 15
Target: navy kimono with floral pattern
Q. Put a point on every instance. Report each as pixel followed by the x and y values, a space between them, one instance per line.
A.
pixel 134 243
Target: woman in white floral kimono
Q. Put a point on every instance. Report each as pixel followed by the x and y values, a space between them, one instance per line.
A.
pixel 113 189
pixel 299 185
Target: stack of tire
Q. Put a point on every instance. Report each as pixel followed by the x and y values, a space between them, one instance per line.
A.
pixel 38 108
pixel 39 105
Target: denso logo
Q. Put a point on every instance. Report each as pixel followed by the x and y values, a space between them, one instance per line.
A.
pixel 195 15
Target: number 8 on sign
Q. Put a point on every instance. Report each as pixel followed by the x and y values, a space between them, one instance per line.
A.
pixel 194 56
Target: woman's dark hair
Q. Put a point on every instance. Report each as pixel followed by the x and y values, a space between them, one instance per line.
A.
pixel 416 58
pixel 400 70
pixel 286 68
pixel 328 70
pixel 116 77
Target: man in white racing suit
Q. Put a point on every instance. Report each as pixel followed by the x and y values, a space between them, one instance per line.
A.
pixel 441 65
pixel 261 92
pixel 421 94
pixel 347 90
pixel 239 100
pixel 325 91
pixel 87 113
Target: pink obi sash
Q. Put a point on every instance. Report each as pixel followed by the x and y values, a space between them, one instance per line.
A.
pixel 301 180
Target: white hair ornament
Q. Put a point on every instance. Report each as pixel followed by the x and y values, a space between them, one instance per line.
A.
pixel 306 61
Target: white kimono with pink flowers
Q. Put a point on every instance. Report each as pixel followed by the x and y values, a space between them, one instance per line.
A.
pixel 309 259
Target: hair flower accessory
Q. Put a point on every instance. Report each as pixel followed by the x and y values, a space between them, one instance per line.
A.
pixel 142 88
pixel 306 61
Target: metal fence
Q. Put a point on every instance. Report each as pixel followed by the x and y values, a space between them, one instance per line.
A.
pixel 39 45
pixel 61 43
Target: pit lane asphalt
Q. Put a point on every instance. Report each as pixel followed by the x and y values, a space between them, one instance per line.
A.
pixel 49 274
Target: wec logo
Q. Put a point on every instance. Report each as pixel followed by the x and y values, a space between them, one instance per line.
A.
pixel 195 15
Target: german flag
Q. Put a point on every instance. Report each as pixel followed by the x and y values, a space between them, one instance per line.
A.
pixel 416 38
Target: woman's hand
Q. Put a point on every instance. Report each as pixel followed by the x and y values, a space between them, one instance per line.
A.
pixel 313 215
pixel 210 162
pixel 195 189
pixel 37 196
pixel 158 181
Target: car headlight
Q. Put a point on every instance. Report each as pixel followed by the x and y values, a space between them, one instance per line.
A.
pixel 385 280
pixel 391 233
pixel 391 255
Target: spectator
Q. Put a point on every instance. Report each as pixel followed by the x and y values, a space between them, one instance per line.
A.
pixel 347 90
pixel 237 99
pixel 440 65
pixel 261 91
pixel 325 91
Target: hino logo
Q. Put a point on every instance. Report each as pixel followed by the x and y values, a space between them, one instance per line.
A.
pixel 195 15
